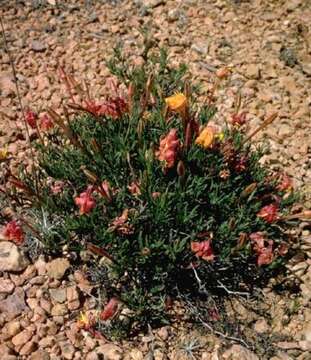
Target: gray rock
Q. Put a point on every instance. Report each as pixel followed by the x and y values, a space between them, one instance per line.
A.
pixel 252 71
pixel 38 46
pixel 153 3
pixel 200 48
pixel 7 85
pixel 67 350
pixel 261 326
pixel 291 5
pixel 93 17
pixel 58 295
pixel 173 15
pixel 56 268
pixel 288 56
pixel 11 258
pixel 110 351
pixel 305 345
pixel 40 355
pixel 14 304
pixel 59 310
pixel 306 68
pixel 238 352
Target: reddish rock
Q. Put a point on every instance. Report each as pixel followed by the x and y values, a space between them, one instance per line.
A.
pixel 6 286
pixel 40 355
pixel 28 348
pixel 21 338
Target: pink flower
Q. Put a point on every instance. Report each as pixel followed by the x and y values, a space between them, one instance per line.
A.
pixel 113 107
pixel 120 224
pixel 110 309
pixel 134 188
pixel 155 194
pixel 46 123
pixel 85 201
pixel 13 232
pixel 203 250
pixel 258 240
pixel 93 107
pixel 269 213
pixel 238 119
pixel 168 150
pixel 264 253
pixel 286 183
pixel 105 190
pixel 241 164
pixel 31 118
pixel 57 187
pixel 283 249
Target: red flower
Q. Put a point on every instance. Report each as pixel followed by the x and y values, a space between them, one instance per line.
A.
pixel 134 188
pixel 46 123
pixel 85 201
pixel 286 183
pixel 168 150
pixel 238 119
pixel 269 213
pixel 264 253
pixel 13 232
pixel 31 118
pixel 93 107
pixel 241 164
pixel 203 250
pixel 110 309
pixel 258 240
pixel 113 107
pixel 283 249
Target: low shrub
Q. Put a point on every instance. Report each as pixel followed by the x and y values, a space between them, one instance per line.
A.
pixel 172 202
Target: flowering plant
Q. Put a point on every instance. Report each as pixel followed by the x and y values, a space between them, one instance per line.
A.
pixel 157 189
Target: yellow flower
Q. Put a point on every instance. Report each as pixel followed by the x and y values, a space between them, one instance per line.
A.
pixel 206 137
pixel 220 136
pixel 4 153
pixel 83 321
pixel 177 102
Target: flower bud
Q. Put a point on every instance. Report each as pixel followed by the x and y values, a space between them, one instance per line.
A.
pixel 248 190
pixel 95 145
pixel 91 176
pixel 306 214
pixel 145 251
pixel 181 168
pixel 223 73
pixel 188 137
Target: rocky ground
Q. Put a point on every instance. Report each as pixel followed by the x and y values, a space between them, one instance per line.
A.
pixel 267 44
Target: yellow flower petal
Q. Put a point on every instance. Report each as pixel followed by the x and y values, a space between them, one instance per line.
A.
pixel 177 102
pixel 206 137
pixel 4 153
pixel 220 136
pixel 83 320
